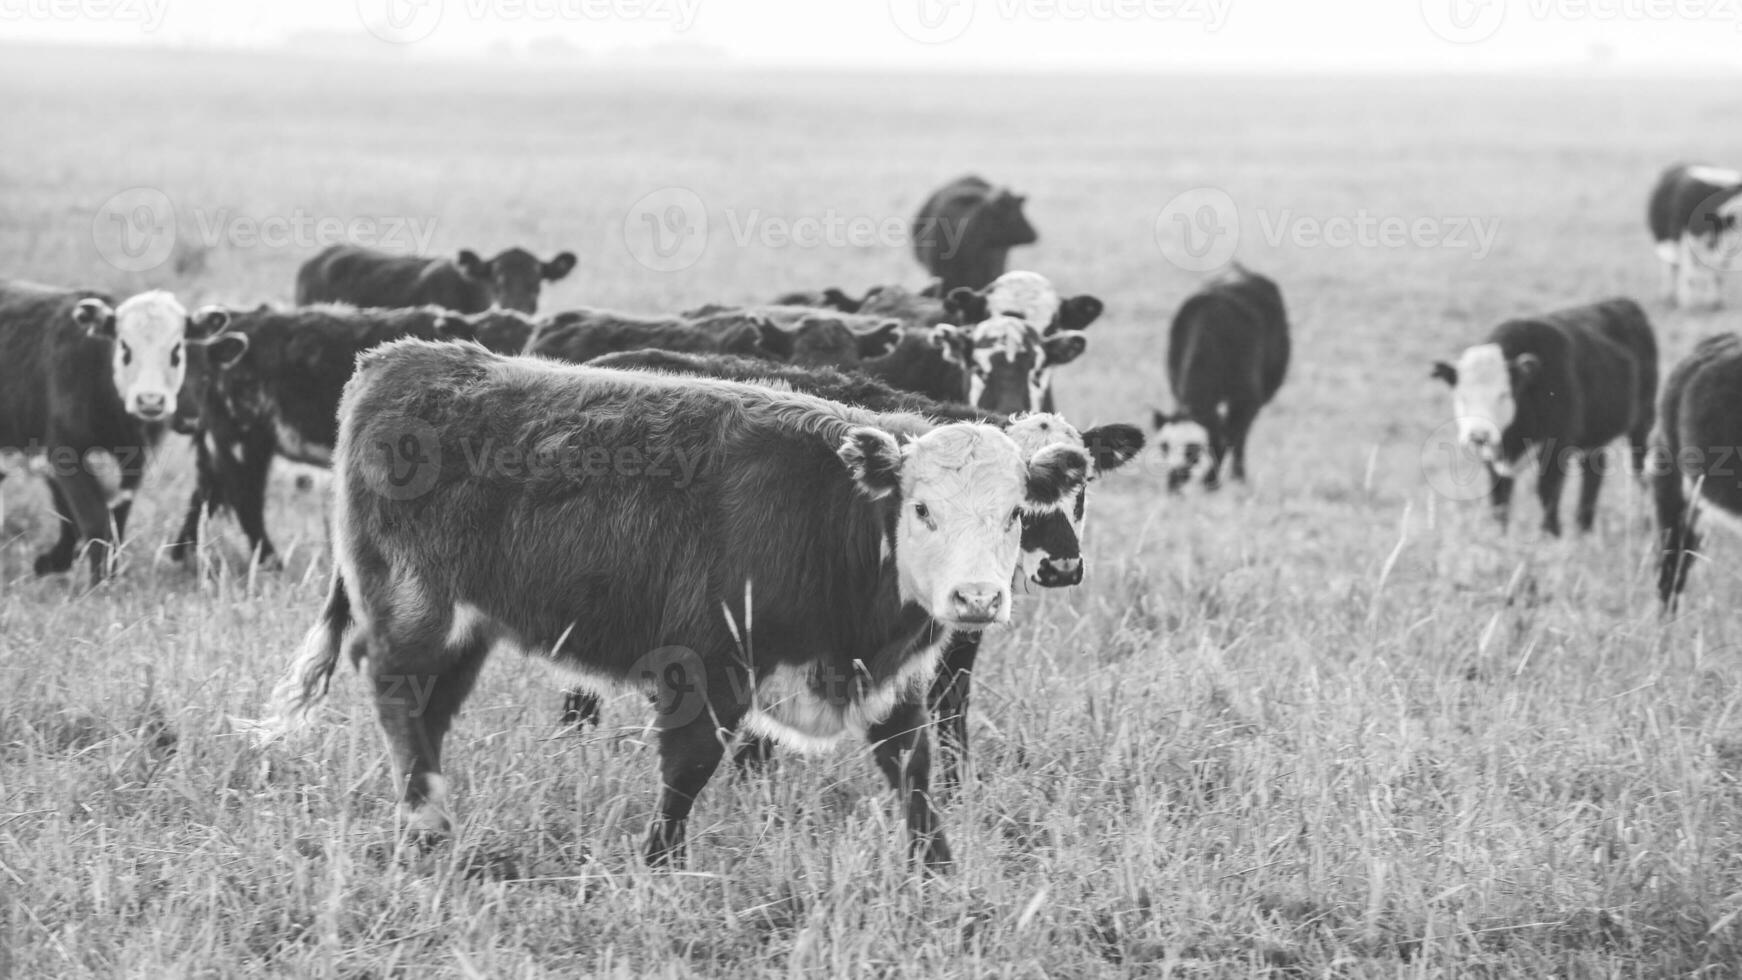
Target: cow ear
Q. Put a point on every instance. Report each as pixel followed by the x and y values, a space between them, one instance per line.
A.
pixel 1445 372
pixel 933 289
pixel 882 340
pixel 1112 446
pixel 96 317
pixel 562 265
pixel 874 459
pixel 225 349
pixel 471 265
pixel 1159 419
pixel 1526 367
pixel 775 341
pixel 1063 348
pixel 965 306
pixel 835 299
pixel 951 342
pixel 1079 311
pixel 1055 473
pixel 208 321
pixel 451 326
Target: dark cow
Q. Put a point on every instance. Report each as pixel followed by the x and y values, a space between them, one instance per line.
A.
pixel 1051 542
pixel 1695 216
pixel 827 299
pixel 1227 354
pixel 1696 469
pixel 820 340
pixel 78 377
pixel 963 234
pixel 798 586
pixel 579 336
pixel 281 399
pixel 465 284
pixel 1566 384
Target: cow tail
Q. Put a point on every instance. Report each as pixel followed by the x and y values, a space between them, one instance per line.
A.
pixel 306 683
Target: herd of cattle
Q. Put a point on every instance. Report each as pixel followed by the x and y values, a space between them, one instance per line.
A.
pixel 787 521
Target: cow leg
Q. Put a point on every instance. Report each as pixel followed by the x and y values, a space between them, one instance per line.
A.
pixel 1500 498
pixel 1671 278
pixel 419 687
pixel 82 494
pixel 201 502
pixel 249 498
pixel 688 756
pixel 1218 448
pixel 1592 464
pixel 903 751
pixel 60 557
pixel 1240 418
pixel 1551 477
pixel 1678 538
pixel 949 702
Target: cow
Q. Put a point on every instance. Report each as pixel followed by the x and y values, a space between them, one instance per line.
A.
pixel 798 586
pixel 1051 542
pixel 465 283
pixel 1565 384
pixel 1007 361
pixel 1031 298
pixel 831 298
pixel 281 398
pixel 578 336
pixel 1695 468
pixel 964 232
pixel 1227 354
pixel 1695 217
pixel 79 376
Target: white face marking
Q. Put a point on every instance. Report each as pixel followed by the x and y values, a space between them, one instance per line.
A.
pixel 150 360
pixel 1185 448
pixel 790 708
pixel 1025 295
pixel 1010 344
pixel 1482 402
pixel 1035 432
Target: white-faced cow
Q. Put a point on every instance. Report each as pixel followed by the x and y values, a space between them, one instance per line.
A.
pixel 78 377
pixel 1565 384
pixel 1696 469
pixel 1695 216
pixel 1227 355
pixel 1051 541
pixel 280 398
pixel 465 283
pixel 1031 298
pixel 797 587
pixel 964 232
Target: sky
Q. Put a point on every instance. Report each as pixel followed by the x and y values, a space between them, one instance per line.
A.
pixel 1646 36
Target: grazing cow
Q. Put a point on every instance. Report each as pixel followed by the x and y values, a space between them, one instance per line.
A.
pixel 797 586
pixel 1051 542
pixel 79 377
pixel 1695 215
pixel 1565 383
pixel 964 232
pixel 1696 469
pixel 464 284
pixel 281 399
pixel 1227 354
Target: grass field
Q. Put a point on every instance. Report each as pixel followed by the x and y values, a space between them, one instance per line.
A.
pixel 1331 724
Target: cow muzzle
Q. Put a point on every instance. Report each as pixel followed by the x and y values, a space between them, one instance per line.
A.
pixel 977 604
pixel 149 405
pixel 1058 573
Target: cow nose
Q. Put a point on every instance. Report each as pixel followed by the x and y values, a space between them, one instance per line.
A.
pixel 150 405
pixel 1480 437
pixel 976 602
pixel 1057 572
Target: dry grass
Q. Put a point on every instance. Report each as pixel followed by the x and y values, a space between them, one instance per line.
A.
pixel 1332 724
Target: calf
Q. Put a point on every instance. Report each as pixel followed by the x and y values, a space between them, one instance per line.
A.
pixel 79 377
pixel 1031 298
pixel 798 588
pixel 465 284
pixel 1695 469
pixel 1566 384
pixel 964 232
pixel 1051 542
pixel 281 399
pixel 1227 354
pixel 1695 216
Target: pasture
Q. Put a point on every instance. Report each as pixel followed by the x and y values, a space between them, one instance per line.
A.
pixel 1331 723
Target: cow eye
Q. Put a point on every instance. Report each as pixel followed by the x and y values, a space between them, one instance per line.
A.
pixel 175 356
pixel 126 354
pixel 923 512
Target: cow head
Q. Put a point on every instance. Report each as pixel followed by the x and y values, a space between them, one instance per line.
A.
pixel 1184 444
pixel 960 492
pixel 824 341
pixel 512 279
pixel 1029 296
pixel 831 298
pixel 1002 222
pixel 1485 388
pixel 1052 542
pixel 149 334
pixel 1008 362
pixel 501 330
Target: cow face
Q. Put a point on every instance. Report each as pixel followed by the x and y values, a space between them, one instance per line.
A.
pixel 1008 362
pixel 1004 223
pixel 823 341
pixel 1184 444
pixel 1052 542
pixel 149 334
pixel 513 277
pixel 1485 386
pixel 1028 296
pixel 961 492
